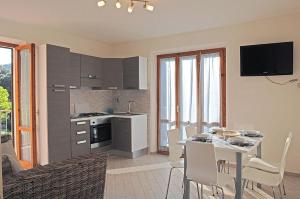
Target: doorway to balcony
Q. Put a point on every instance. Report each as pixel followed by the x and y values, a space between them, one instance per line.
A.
pixel 17 99
pixel 6 91
pixel 191 90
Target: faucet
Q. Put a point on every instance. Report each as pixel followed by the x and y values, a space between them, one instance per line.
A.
pixel 129 105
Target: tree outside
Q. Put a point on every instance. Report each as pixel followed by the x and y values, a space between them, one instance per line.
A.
pixel 5 90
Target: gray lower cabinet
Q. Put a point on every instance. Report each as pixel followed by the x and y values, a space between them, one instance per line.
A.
pixel 91 73
pixel 112 73
pixel 59 145
pixel 121 134
pixel 80 138
pixel 74 70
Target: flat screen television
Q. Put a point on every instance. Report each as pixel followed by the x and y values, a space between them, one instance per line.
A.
pixel 267 59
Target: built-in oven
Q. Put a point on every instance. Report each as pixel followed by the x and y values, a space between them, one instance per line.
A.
pixel 100 132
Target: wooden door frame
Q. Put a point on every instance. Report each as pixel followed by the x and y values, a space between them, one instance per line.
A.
pixel 11 46
pixel 197 53
pixel 32 127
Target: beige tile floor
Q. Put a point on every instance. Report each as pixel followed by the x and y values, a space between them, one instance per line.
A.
pixel 146 178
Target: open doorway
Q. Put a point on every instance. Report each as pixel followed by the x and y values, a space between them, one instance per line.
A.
pixel 6 91
pixel 17 99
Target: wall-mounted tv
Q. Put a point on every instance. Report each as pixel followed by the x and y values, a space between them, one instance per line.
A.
pixel 267 59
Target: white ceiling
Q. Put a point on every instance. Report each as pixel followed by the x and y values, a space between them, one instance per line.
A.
pixel 109 24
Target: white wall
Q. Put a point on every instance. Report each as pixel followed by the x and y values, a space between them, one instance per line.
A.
pixel 251 101
pixel 32 34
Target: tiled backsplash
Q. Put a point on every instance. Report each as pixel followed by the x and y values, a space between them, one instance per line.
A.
pixel 141 100
pixel 87 100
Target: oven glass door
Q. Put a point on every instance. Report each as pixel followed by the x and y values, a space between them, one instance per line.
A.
pixel 100 133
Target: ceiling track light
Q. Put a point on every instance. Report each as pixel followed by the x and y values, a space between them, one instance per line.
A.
pixel 130 7
pixel 147 6
pixel 101 3
pixel 118 4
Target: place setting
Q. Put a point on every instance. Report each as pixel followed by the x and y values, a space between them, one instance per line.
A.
pixel 240 138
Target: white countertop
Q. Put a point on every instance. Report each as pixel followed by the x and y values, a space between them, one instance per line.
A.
pixel 115 115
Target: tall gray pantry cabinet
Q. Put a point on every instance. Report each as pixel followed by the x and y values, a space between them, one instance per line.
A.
pixel 54 104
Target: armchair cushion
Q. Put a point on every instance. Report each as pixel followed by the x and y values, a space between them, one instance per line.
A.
pixel 8 150
pixel 6 167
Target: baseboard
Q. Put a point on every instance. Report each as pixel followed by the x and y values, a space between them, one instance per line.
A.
pixel 130 155
pixel 292 174
pixel 285 173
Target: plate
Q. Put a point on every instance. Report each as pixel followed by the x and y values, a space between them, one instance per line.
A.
pixel 241 144
pixel 228 134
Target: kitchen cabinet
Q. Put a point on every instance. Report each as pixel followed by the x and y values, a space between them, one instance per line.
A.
pixel 57 61
pixel 112 73
pixel 91 73
pixel 80 138
pixel 54 104
pixel 135 73
pixel 58 103
pixel 121 134
pixel 129 136
pixel 74 70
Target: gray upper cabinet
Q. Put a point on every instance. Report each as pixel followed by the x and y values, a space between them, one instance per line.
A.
pixel 58 60
pixel 91 71
pixel 74 70
pixel 112 73
pixel 135 73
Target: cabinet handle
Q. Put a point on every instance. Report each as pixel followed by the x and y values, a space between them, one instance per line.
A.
pixel 113 88
pixel 73 87
pixel 130 87
pixel 59 86
pixel 80 123
pixel 92 76
pixel 81 132
pixel 81 142
pixel 59 90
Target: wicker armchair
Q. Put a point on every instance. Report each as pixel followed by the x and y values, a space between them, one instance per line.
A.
pixel 78 178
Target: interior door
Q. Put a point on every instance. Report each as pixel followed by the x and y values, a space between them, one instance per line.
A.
pixel 25 105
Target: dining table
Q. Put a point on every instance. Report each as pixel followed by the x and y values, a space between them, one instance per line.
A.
pixel 223 144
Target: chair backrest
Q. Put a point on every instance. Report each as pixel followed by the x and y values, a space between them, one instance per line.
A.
pixel 175 150
pixel 284 154
pixel 201 162
pixel 191 130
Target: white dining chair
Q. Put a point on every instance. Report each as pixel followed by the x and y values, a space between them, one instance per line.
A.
pixel 202 166
pixel 191 130
pixel 175 153
pixel 268 174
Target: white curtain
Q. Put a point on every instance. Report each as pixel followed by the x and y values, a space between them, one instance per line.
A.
pixel 167 98
pixel 210 89
pixel 188 92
